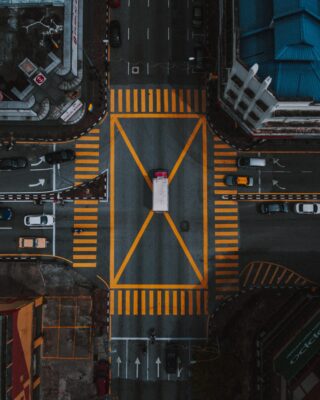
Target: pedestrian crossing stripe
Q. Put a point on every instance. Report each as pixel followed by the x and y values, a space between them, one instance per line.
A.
pixel 158 100
pixel 158 302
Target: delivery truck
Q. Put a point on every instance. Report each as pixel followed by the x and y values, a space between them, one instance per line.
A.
pixel 160 194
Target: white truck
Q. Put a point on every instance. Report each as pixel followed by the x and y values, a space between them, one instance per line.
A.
pixel 160 194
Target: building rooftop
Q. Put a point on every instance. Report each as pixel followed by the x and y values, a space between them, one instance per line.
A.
pixel 282 36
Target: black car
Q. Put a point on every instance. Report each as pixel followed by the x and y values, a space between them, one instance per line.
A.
pixel 197 17
pixel 6 214
pixel 9 164
pixel 115 34
pixel 60 156
pixel 274 208
pixel 171 358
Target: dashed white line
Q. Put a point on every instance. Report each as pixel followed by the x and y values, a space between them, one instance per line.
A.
pixel 148 68
pixel 128 33
pixel 148 3
pixel 168 3
pixel 6 227
pixel 148 33
pixel 168 33
pixel 129 3
pixel 128 68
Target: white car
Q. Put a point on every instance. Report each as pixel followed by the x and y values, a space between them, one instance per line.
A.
pixel 307 208
pixel 39 220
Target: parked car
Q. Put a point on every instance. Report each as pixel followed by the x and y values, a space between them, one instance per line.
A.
pixel 234 180
pixel 197 17
pixel 307 208
pixel 39 220
pixel 251 162
pixel 32 242
pixel 10 164
pixel 115 34
pixel 6 214
pixel 114 3
pixel 60 156
pixel 274 208
pixel 171 358
pixel 101 377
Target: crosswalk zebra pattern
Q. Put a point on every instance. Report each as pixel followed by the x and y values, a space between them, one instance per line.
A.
pixel 226 226
pixel 158 302
pixel 158 100
pixel 265 274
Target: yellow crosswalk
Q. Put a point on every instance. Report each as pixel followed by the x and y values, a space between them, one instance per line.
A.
pixel 158 100
pixel 226 227
pixel 158 302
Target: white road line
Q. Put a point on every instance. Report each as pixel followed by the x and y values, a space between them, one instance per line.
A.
pixel 148 3
pixel 40 169
pixel 129 4
pixel 168 3
pixel 147 68
pixel 42 227
pixel 168 339
pixel 128 33
pixel 148 33
pixel 128 68
pixel 127 359
pixel 6 227
pixel 168 33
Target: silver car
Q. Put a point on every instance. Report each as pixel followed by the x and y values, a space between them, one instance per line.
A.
pixel 307 208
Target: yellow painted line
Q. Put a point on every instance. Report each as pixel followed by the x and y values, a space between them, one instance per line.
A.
pixel 79 176
pixel 226 249
pixel 188 95
pixel 120 100
pixel 225 233
pixel 225 273
pixel 227 280
pixel 226 210
pixel 95 130
pixel 84 265
pixel 112 102
pixel 134 154
pixel 86 202
pixel 87 146
pixel 227 265
pixel 85 241
pixel 185 150
pixel 134 246
pixel 224 161
pixel 226 226
pixel 119 302
pixel 273 275
pixel 226 241
pixel 84 256
pixel 89 169
pixel 198 302
pixel 219 176
pixel 222 146
pixel 173 100
pixel 225 153
pixel 225 192
pixel 158 99
pixel 203 101
pixel 151 302
pixel 135 302
pixel 143 302
pixel 86 138
pixel 87 154
pixel 281 276
pixel 227 289
pixel 257 273
pixel 111 302
pixel 226 256
pixel 196 100
pixel 190 302
pixel 182 302
pixel 166 100
pixel 289 278
pixel 143 100
pixel 174 303
pixel 86 226
pixel 266 274
pixel 128 103
pixel 181 102
pixel 135 100
pixel 91 233
pixel 220 184
pixel 205 201
pixel 81 249
pixel 226 218
pixel 87 161
pixel 225 203
pixel 150 100
pixel 159 302
pixel 183 246
pixel 85 210
pixel 86 218
pixel 216 138
pixel 226 169
pixel 127 308
pixel 167 302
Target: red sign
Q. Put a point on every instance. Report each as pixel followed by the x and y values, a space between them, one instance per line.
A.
pixel 40 79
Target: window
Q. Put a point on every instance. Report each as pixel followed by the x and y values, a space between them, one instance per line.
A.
pixel 243 105
pixel 237 80
pixel 261 104
pixel 249 93
pixel 231 94
pixel 253 116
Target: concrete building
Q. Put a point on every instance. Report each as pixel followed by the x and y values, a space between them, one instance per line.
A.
pixel 269 58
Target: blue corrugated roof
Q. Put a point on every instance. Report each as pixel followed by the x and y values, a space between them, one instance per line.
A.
pixel 282 36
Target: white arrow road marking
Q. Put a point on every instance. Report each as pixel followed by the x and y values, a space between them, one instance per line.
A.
pixel 276 184
pixel 137 362
pixel 40 183
pixel 276 162
pixel 179 370
pixel 158 362
pixel 41 160
pixel 119 362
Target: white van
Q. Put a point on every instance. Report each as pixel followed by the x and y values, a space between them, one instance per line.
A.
pixel 254 162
